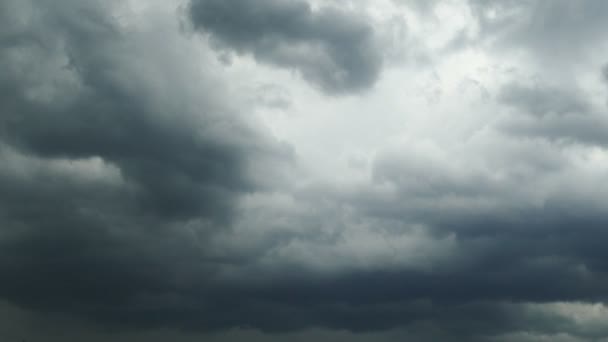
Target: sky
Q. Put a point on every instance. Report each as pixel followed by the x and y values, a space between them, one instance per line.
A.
pixel 297 170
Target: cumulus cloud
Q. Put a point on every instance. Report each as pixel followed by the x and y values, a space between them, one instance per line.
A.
pixel 108 157
pixel 330 48
pixel 152 193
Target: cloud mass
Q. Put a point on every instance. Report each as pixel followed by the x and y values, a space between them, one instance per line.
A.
pixel 331 48
pixel 152 190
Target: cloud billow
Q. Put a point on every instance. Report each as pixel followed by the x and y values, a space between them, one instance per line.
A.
pixel 139 193
pixel 330 48
pixel 106 158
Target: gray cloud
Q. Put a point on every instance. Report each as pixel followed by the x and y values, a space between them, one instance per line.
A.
pixel 543 100
pixel 137 204
pixel 108 161
pixel 181 165
pixel 557 114
pixel 556 31
pixel 330 48
pixel 424 7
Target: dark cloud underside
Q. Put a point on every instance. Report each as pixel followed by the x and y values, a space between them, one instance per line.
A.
pixel 135 194
pixel 331 48
pixel 101 171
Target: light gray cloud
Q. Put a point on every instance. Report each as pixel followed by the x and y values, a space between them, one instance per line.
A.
pixel 558 114
pixel 555 31
pixel 424 7
pixel 542 100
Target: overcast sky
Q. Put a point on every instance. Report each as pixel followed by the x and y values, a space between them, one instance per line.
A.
pixel 303 170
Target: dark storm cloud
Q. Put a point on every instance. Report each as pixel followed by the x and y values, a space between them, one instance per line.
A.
pixel 328 47
pixel 180 165
pixel 122 192
pixel 510 248
pixel 513 252
pixel 107 158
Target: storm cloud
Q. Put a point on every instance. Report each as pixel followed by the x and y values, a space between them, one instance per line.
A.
pixel 151 191
pixel 105 151
pixel 329 47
